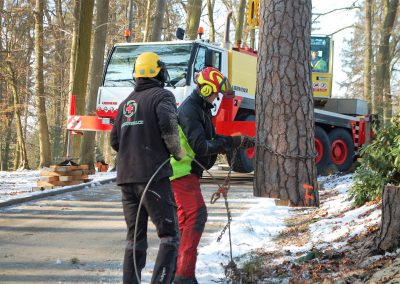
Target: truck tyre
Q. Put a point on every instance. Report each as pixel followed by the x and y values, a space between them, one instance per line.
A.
pixel 244 159
pixel 322 147
pixel 342 149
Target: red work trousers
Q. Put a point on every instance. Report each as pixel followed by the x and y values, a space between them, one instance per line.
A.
pixel 192 216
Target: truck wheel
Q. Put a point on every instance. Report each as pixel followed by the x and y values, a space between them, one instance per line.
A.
pixel 244 159
pixel 342 149
pixel 322 146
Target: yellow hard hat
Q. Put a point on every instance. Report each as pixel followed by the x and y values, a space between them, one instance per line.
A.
pixel 147 65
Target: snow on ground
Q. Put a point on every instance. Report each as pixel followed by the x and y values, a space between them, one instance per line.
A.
pixel 20 183
pixel 256 229
pixel 338 221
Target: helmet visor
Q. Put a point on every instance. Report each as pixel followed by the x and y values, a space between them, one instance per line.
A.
pixel 226 89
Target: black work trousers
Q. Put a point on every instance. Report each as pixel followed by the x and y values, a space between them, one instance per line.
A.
pixel 158 204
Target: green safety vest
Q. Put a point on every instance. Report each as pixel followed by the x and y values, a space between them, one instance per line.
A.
pixel 183 167
pixel 320 65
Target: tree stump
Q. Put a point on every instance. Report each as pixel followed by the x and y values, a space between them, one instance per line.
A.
pixel 389 233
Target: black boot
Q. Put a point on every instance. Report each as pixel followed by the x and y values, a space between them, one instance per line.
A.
pixel 129 275
pixel 185 280
pixel 165 266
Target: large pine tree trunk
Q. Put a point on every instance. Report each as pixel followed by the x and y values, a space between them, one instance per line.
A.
pixel 193 18
pixel 285 159
pixel 44 142
pixel 96 68
pixel 389 234
pixel 158 20
pixel 81 71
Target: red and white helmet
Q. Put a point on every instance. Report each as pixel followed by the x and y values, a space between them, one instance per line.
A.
pixel 210 81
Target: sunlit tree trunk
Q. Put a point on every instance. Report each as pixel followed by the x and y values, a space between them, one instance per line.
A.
pixel 59 81
pixel 368 51
pixel 21 160
pixel 210 9
pixel 5 153
pixel 239 24
pixel 82 64
pixel 74 44
pixel 96 68
pixel 158 20
pixel 44 142
pixel 285 159
pixel 147 24
pixel 193 18
pixel 382 104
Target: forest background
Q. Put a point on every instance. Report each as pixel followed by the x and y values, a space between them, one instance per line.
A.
pixel 42 62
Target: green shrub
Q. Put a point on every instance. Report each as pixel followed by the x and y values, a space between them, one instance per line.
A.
pixel 380 164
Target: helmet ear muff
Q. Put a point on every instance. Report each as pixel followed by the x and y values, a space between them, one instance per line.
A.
pixel 163 72
pixel 206 90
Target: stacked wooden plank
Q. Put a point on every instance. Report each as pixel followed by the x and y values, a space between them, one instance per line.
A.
pixel 64 175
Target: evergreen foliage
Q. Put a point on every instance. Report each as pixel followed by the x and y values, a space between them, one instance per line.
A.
pixel 380 164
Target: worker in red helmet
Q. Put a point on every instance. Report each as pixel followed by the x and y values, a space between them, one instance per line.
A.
pixel 199 139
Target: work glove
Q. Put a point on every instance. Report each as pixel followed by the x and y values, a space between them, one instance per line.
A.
pixel 248 142
pixel 180 155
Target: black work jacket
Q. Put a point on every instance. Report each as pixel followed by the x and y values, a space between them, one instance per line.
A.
pixel 145 133
pixel 195 119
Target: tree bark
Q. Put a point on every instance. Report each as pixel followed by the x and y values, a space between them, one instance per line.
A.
pixel 74 43
pixel 193 18
pixel 59 81
pixel 5 154
pixel 285 157
pixel 239 24
pixel 368 51
pixel 21 160
pixel 382 103
pixel 44 142
pixel 389 234
pixel 81 71
pixel 96 68
pixel 210 9
pixel 158 20
pixel 146 33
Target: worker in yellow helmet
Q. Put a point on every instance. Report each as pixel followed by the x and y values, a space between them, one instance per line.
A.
pixel 145 134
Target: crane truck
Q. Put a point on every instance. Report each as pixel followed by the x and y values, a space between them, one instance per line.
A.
pixel 341 125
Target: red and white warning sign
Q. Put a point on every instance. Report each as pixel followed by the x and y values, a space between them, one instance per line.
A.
pixel 74 122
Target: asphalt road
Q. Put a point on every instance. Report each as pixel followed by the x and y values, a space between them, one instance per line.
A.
pixel 79 237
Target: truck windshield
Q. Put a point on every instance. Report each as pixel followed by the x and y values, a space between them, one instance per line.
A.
pixel 320 51
pixel 119 71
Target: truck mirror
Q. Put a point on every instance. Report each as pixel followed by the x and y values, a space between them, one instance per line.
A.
pixel 209 58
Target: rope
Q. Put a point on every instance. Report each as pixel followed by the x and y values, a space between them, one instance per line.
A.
pixel 141 201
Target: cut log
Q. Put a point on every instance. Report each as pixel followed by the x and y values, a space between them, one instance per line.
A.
pixel 63 173
pixel 88 172
pixel 389 234
pixel 68 168
pixel 58 183
pixel 68 178
pixel 49 178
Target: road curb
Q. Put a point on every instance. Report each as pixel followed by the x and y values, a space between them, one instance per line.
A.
pixel 51 192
